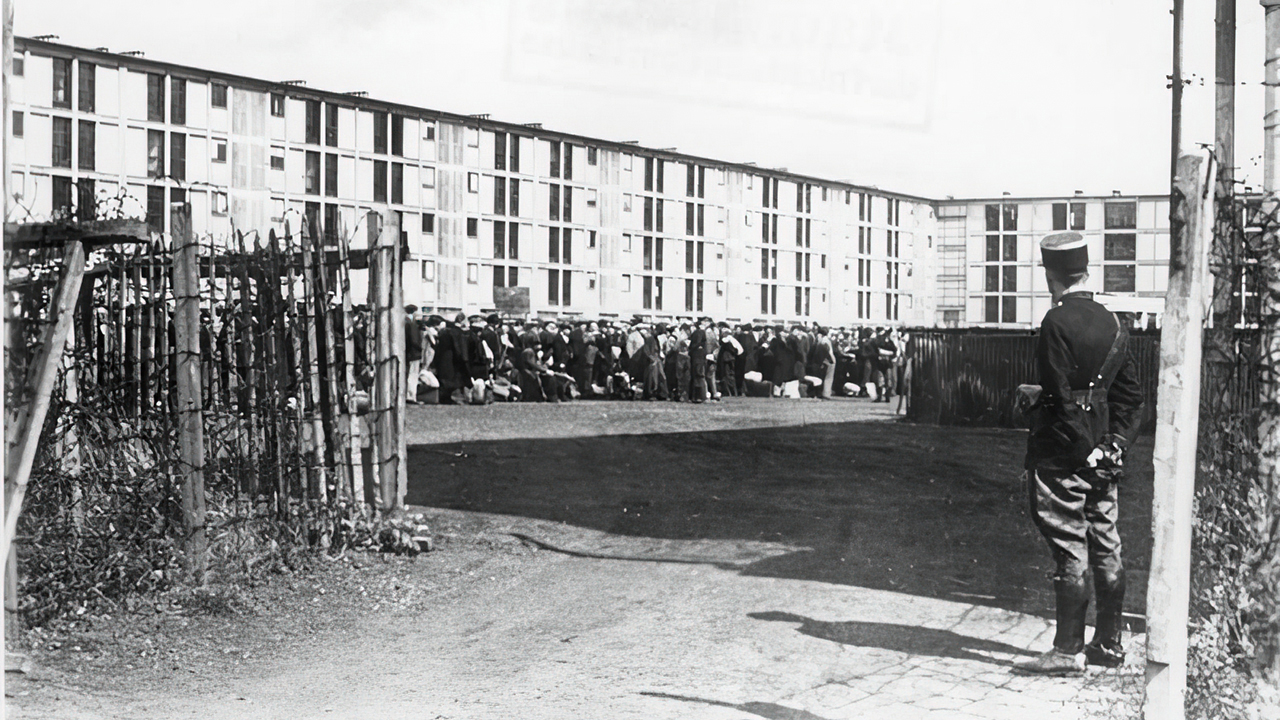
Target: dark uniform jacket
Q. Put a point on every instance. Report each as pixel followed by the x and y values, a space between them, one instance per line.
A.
pixel 1079 410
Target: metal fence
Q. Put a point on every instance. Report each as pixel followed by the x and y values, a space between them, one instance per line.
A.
pixel 969 377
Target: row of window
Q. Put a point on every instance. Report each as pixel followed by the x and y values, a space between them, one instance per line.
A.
pixel 1119 215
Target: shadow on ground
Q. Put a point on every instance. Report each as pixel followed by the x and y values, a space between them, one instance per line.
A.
pixel 909 639
pixel 925 510
pixel 771 711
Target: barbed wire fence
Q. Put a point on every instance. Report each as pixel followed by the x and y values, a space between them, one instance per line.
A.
pixel 291 409
pixel 1235 594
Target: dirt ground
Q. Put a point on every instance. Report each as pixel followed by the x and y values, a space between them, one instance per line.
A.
pixel 743 559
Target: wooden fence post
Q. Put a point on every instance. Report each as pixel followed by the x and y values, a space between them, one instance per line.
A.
pixel 29 420
pixel 186 320
pixel 1177 426
pixel 388 401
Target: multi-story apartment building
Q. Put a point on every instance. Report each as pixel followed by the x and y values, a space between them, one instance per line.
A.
pixel 988 261
pixel 591 227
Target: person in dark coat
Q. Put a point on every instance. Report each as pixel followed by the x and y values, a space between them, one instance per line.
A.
pixel 451 360
pixel 1087 414
pixel 537 382
pixel 748 360
pixel 412 353
pixel 822 359
pixel 886 365
pixel 726 361
pixel 698 360
pixel 655 377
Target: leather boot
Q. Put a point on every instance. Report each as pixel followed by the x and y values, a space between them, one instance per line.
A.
pixel 1073 602
pixel 1106 648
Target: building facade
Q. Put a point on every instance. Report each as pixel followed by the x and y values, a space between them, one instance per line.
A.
pixel 593 228
pixel 988 258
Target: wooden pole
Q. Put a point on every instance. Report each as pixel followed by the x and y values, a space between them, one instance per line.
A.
pixel 401 364
pixel 353 422
pixel 186 292
pixel 389 354
pixel 29 420
pixel 1177 425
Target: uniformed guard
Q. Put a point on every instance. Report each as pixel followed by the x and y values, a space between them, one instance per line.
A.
pixel 1086 414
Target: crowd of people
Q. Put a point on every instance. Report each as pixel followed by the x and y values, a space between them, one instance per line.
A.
pixel 478 360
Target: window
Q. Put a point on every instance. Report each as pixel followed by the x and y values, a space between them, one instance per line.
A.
pixel 499 195
pixel 568 161
pixel 513 207
pixel 88 87
pixel 626 283
pixel 992 309
pixel 553 286
pixel 554 202
pixel 331 222
pixel 62 142
pixel 155 97
pixel 62 87
pixel 626 242
pixel 86 199
pixel 592 156
pixel 566 281
pixel 473 228
pixel 331 125
pixel 178 156
pixel 499 240
pixel 473 273
pixel 312 122
pixel 218 95
pixel 62 195
pixel 513 276
pixel 313 175
pixel 428 223
pixel 379 180
pixel 513 245
pixel 19 67
pixel 473 182
pixel 555 159
pixel 500 151
pixel 648 293
pixel 219 202
pixel 18 123
pixel 178 100
pixel 1071 215
pixel 277 104
pixel 428 270
pixel 1120 215
pixel 155 208
pixel 688 295
pixel 220 153
pixel 591 238
pixel 428 177
pixel 330 174
pixel 397 135
pixel 1119 246
pixel 568 204
pixel 85 151
pixel 553 244
pixel 429 131
pixel 380 132
pixel 648 174
pixel 397 183
pixel 499 276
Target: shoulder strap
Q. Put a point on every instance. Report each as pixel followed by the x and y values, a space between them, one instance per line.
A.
pixel 1111 366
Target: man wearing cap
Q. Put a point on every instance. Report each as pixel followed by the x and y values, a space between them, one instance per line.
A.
pixel 412 353
pixel 1087 413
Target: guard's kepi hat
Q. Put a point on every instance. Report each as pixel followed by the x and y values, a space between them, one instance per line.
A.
pixel 1065 252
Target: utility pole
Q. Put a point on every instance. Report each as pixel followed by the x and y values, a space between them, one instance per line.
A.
pixel 1175 134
